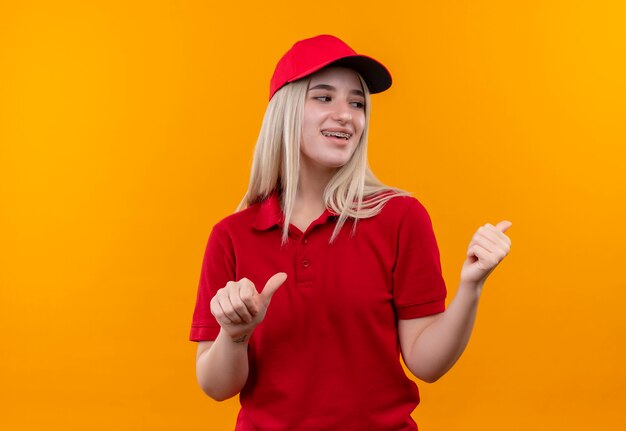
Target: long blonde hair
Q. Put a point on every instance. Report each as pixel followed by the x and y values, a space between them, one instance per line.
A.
pixel 353 192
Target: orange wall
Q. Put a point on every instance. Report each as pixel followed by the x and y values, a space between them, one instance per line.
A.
pixel 126 131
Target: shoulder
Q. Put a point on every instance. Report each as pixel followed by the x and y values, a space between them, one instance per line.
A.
pixel 399 207
pixel 242 219
pixel 234 225
pixel 229 231
pixel 396 215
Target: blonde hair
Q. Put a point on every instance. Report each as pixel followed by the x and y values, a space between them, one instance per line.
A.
pixel 353 192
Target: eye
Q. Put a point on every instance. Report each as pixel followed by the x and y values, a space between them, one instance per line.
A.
pixel 323 98
pixel 359 105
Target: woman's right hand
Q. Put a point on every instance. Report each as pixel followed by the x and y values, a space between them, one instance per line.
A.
pixel 239 307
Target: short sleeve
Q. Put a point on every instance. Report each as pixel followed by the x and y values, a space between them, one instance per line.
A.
pixel 218 268
pixel 418 286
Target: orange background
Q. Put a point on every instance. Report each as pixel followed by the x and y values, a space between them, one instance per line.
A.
pixel 126 131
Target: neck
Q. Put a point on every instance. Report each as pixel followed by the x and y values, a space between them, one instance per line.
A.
pixel 311 184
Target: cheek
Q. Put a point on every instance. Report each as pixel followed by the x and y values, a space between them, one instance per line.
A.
pixel 361 127
pixel 306 133
pixel 310 127
pixel 360 120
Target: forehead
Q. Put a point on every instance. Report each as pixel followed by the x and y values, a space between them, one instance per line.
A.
pixel 337 76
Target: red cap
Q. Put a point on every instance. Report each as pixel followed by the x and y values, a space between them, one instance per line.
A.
pixel 310 55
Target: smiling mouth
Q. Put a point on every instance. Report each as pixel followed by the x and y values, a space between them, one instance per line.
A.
pixel 341 135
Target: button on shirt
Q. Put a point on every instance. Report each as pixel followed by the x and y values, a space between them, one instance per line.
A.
pixel 327 354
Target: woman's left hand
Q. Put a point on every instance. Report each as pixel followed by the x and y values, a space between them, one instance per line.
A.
pixel 488 247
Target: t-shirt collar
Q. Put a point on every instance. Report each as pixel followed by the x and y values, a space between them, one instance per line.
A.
pixel 271 214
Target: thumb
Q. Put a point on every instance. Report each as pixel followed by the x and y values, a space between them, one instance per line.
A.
pixel 272 286
pixel 504 225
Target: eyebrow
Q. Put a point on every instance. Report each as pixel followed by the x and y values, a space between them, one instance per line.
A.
pixel 331 88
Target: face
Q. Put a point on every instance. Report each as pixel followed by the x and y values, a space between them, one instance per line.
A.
pixel 334 118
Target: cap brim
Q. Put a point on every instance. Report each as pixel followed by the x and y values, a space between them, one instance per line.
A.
pixel 376 76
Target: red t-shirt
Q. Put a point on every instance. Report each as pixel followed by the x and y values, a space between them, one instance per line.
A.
pixel 326 357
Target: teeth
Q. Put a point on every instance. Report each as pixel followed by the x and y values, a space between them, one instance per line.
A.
pixel 337 134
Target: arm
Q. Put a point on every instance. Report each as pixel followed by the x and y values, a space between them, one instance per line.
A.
pixel 222 365
pixel 431 345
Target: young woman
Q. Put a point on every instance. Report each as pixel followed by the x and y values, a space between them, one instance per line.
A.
pixel 311 291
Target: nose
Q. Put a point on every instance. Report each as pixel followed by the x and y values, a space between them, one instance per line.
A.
pixel 342 112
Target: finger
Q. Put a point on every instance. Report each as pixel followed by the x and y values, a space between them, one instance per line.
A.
pixel 272 286
pixel 486 259
pixel 224 302
pixel 218 312
pixel 484 237
pixel 483 250
pixel 504 225
pixel 471 245
pixel 238 305
pixel 496 237
pixel 248 295
pixel 503 240
pixel 500 234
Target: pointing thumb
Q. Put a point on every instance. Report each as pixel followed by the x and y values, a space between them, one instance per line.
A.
pixel 272 286
pixel 504 225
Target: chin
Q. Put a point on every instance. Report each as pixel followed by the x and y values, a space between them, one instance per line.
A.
pixel 336 164
pixel 339 161
pixel 335 161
